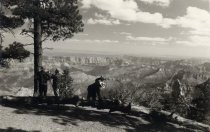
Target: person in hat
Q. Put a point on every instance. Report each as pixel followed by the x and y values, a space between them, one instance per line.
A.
pixel 94 90
pixel 56 78
pixel 43 78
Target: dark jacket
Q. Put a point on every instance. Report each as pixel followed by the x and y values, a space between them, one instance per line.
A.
pixel 56 80
pixel 43 77
pixel 94 90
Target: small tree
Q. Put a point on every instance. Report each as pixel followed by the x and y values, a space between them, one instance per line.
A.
pixel 15 50
pixel 199 110
pixel 150 97
pixel 122 91
pixel 201 102
pixel 126 92
pixel 66 88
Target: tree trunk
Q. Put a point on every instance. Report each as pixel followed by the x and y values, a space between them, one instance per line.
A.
pixel 37 52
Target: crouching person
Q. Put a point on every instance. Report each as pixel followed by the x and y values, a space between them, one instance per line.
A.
pixel 94 91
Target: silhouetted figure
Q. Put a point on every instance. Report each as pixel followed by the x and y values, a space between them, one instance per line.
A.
pixel 43 77
pixel 94 90
pixel 56 82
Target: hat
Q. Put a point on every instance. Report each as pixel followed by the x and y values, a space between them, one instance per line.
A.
pixel 56 71
pixel 100 78
pixel 41 68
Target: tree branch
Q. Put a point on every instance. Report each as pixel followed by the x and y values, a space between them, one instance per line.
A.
pixel 28 44
pixel 45 39
pixel 29 35
pixel 47 48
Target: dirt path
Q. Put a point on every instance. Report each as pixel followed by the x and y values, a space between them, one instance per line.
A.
pixel 72 119
pixel 50 121
pixel 23 120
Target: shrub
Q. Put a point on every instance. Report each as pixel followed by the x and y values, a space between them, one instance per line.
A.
pixel 150 98
pixel 4 63
pixel 129 92
pixel 122 91
pixel 199 109
pixel 66 88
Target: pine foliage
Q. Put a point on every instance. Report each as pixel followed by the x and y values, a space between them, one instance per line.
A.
pixel 60 19
pixel 66 88
pixel 15 50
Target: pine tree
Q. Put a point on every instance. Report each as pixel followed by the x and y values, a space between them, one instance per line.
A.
pixel 51 19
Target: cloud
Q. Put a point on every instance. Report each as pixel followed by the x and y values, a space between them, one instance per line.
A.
pixel 125 33
pixel 103 21
pixel 195 41
pixel 150 40
pixel 98 15
pixel 158 39
pixel 129 11
pixel 86 3
pixel 126 10
pixel 164 3
pixel 94 40
pixel 196 19
pixel 198 22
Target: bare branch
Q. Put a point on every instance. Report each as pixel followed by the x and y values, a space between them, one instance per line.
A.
pixel 45 39
pixel 28 44
pixel 29 35
pixel 47 48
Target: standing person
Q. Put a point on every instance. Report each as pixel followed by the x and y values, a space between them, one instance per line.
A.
pixel 43 77
pixel 56 82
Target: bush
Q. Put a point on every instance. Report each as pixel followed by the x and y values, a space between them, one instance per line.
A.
pixel 199 109
pixel 128 92
pixel 151 98
pixel 123 92
pixel 119 94
pixel 4 63
pixel 157 99
pixel 66 88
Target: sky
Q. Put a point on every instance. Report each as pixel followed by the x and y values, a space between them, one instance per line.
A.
pixel 138 27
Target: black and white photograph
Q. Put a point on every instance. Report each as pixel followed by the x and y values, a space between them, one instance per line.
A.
pixel 104 65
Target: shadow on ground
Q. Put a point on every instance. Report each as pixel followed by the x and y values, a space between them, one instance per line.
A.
pixel 11 129
pixel 65 115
